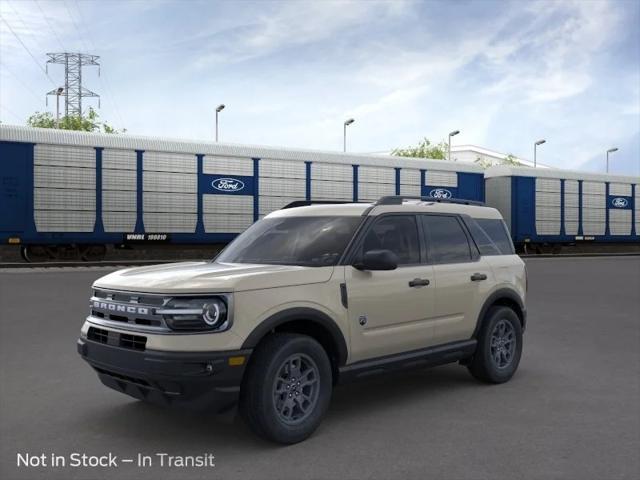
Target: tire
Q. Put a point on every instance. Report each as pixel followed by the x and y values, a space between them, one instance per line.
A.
pixel 496 359
pixel 277 405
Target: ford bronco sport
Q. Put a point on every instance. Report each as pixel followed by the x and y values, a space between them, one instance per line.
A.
pixel 309 297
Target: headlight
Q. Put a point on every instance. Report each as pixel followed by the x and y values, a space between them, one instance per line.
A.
pixel 193 314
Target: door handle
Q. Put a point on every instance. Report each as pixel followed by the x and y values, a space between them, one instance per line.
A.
pixel 419 282
pixel 476 277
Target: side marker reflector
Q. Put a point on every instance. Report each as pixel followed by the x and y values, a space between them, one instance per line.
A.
pixel 236 361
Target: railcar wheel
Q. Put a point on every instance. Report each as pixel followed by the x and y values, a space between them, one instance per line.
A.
pixel 93 253
pixel 35 253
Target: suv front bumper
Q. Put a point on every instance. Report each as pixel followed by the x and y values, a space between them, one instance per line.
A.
pixel 199 380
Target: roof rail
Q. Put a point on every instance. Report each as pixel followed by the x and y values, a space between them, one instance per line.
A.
pixel 307 203
pixel 398 199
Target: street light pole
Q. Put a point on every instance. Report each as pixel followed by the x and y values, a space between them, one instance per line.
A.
pixel 535 146
pixel 611 150
pixel 344 133
pixel 58 93
pixel 219 108
pixel 452 134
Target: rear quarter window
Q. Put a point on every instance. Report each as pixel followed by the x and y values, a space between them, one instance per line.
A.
pixel 491 236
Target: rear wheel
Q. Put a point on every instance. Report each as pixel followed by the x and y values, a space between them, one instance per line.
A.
pixel 499 346
pixel 287 388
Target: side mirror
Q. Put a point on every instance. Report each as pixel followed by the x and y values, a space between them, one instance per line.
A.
pixel 378 260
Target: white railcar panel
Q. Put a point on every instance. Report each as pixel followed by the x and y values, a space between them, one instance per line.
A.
pixel 169 182
pixel 62 199
pixel 598 188
pixel 409 176
pixel 368 174
pixel 571 186
pixel 571 214
pixel 332 190
pixel 282 169
pixel 571 200
pixel 170 202
pixel 169 223
pixel 571 228
pixel 215 165
pixel 373 191
pixel 548 199
pixel 119 221
pixel 547 185
pixel 64 220
pixel 119 201
pixel 64 156
pixel 439 178
pixel 637 208
pixel 547 213
pixel 237 204
pixel 594 201
pixel 169 162
pixel 284 187
pixel 329 171
pixel 594 214
pixel 620 222
pixel 119 159
pixel 119 180
pixel 64 177
pixel 623 189
pixel 414 190
pixel 548 227
pixel 214 223
pixel 271 204
pixel 593 228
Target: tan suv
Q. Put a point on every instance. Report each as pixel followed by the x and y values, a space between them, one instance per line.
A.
pixel 309 297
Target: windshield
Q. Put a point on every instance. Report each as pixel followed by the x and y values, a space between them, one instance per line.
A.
pixel 306 241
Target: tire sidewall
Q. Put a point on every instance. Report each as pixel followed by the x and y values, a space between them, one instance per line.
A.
pixel 495 374
pixel 272 424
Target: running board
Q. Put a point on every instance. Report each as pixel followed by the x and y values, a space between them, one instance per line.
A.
pixel 425 357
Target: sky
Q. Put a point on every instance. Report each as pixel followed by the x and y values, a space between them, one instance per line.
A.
pixel 503 73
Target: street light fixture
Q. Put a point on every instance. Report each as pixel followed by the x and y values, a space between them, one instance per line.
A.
pixel 58 93
pixel 219 108
pixel 611 150
pixel 452 134
pixel 535 146
pixel 344 133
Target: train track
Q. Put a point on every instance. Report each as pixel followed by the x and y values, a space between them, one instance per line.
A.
pixel 133 263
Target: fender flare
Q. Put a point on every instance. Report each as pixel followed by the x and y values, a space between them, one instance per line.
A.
pixel 300 313
pixel 500 294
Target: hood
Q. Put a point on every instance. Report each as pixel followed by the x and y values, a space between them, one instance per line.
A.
pixel 205 277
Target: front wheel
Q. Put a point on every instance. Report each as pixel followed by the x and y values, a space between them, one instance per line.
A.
pixel 287 388
pixel 499 346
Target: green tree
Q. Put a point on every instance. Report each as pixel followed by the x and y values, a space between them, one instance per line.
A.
pixel 87 123
pixel 424 149
pixel 510 159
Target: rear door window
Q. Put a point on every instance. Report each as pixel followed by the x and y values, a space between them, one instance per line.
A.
pixel 398 233
pixel 446 239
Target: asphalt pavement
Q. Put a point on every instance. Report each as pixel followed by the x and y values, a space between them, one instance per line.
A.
pixel 572 411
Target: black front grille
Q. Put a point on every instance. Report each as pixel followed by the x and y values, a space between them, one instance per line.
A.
pixel 123 340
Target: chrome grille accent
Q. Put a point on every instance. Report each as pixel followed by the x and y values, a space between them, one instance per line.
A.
pixel 122 310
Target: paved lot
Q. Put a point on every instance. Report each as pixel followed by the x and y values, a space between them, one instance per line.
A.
pixel 572 411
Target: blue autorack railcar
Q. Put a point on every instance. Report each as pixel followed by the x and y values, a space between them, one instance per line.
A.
pixel 549 207
pixel 77 191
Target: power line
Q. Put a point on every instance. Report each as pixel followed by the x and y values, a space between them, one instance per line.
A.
pixel 11 112
pixel 26 28
pixel 46 19
pixel 28 51
pixel 73 21
pixel 105 83
pixel 21 81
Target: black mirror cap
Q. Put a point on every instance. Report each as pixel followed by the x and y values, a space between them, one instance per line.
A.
pixel 378 260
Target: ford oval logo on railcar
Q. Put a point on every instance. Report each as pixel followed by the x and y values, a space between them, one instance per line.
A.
pixel 620 202
pixel 440 193
pixel 228 184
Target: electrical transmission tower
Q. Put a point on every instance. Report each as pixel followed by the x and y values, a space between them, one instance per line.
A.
pixel 73 91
